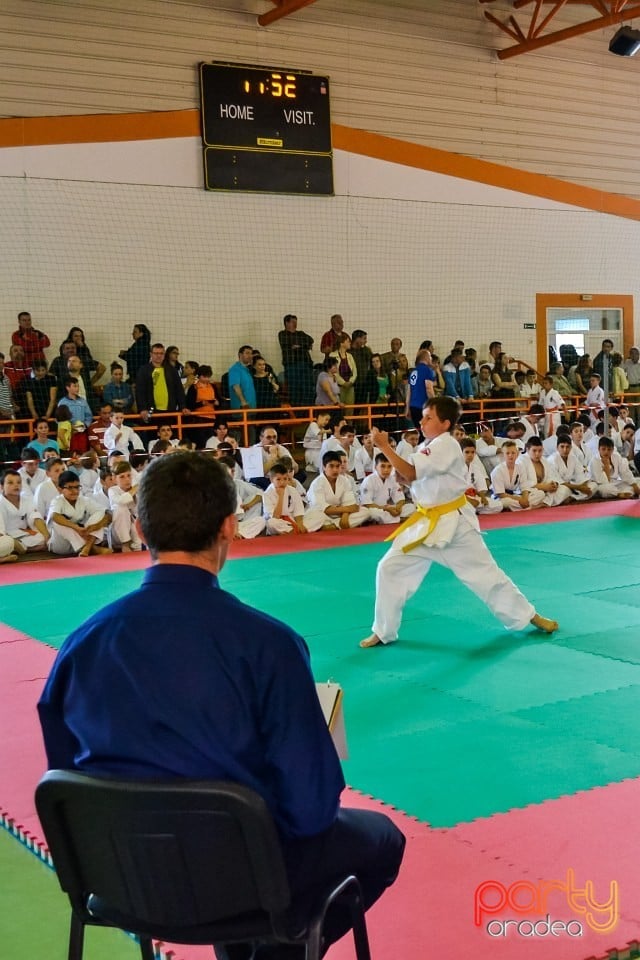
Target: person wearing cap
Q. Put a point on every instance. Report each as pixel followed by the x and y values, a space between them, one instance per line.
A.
pixel 77 523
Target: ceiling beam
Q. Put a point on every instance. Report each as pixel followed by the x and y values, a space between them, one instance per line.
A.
pixel 283 9
pixel 533 41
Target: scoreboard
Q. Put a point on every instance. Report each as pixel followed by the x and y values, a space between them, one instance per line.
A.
pixel 265 129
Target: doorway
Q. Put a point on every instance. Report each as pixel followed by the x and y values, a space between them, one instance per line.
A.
pixel 581 321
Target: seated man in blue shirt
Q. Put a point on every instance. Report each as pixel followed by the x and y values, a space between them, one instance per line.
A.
pixel 181 679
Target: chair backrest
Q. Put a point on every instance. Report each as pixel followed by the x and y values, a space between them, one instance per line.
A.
pixel 178 853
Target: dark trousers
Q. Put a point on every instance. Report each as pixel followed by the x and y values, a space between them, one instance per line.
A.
pixel 361 842
pixel 300 384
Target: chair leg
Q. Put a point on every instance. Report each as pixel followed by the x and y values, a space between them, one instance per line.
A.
pixel 146 948
pixel 76 937
pixel 359 926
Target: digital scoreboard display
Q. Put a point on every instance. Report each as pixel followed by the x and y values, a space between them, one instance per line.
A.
pixel 265 129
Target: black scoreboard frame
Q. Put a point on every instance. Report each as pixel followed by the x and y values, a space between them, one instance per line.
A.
pixel 265 129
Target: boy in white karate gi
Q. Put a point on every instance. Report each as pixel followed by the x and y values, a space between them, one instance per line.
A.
pixel 76 522
pixel 284 510
pixel 382 496
pixel 553 405
pixel 331 492
pixel 443 530
pixel 477 492
pixel 124 510
pixel 612 473
pixel 571 471
pixel 20 519
pixel 538 476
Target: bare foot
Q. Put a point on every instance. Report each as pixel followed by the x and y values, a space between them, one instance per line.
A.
pixel 544 624
pixel 371 641
pixel 86 550
pixel 126 548
pixel 101 551
pixel 18 547
pixel 10 559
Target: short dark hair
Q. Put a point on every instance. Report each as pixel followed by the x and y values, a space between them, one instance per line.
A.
pixel 245 346
pixel 191 522
pixel 381 458
pixel 38 364
pixel 347 428
pixel 68 381
pixel 467 442
pixel 157 346
pixel 67 476
pixel 52 462
pixel 205 370
pixel 446 408
pixel 332 456
pixel 533 442
pixel 278 469
pixel 28 453
pixel 115 366
pixel 358 333
pixel 287 317
pixel 605 442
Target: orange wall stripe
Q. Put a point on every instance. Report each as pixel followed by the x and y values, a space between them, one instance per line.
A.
pixel 482 171
pixel 104 128
pixel 99 128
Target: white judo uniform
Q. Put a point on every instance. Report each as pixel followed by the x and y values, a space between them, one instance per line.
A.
pixel 375 490
pixel 573 471
pixel 504 482
pixel 621 480
pixel 312 441
pixel 31 481
pixel 478 482
pixel 123 439
pixel 18 521
pixel 124 512
pixel 292 506
pixel 321 495
pixel 553 406
pixel 6 542
pixel 529 479
pixel 455 542
pixel 85 511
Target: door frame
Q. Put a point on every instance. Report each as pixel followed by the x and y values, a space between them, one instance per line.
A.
pixel 603 301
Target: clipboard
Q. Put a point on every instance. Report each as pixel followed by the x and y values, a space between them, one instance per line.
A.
pixel 331 695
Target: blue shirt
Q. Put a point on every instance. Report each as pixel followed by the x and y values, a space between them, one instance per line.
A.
pixel 119 395
pixel 241 376
pixel 80 409
pixel 41 447
pixel 417 385
pixel 181 679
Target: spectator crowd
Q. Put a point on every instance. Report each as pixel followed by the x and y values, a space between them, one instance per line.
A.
pixel 73 491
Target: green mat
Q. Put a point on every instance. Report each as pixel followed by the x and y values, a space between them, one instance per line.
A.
pixel 460 719
pixel 41 931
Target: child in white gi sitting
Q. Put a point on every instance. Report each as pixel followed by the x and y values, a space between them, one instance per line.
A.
pixel 477 491
pixel 283 507
pixel 380 493
pixel 251 523
pixel 331 492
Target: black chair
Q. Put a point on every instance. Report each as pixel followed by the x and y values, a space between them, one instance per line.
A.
pixel 191 862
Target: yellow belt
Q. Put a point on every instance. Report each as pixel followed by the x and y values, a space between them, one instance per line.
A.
pixel 432 514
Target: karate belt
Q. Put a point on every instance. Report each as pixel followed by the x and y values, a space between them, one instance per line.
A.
pixel 549 418
pixel 432 514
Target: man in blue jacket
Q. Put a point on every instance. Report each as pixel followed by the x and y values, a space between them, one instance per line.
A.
pixel 181 679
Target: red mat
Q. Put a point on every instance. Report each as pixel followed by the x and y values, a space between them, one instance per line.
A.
pixel 26 572
pixel 430 910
